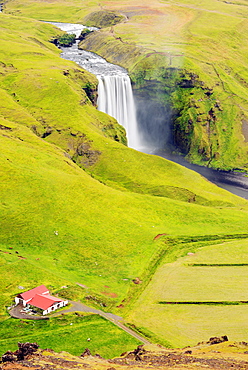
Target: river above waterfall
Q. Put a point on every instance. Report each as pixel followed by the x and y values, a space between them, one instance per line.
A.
pixel 236 183
pixel 87 60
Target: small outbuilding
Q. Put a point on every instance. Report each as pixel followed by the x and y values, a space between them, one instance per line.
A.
pixel 40 299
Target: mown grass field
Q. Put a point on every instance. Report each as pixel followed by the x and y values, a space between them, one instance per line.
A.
pixel 70 333
pixel 198 296
pixel 65 222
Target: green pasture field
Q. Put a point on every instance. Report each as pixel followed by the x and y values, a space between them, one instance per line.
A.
pixel 68 333
pixel 94 246
pixel 216 292
pixel 179 326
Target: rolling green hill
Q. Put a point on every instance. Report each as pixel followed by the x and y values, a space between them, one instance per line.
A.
pixel 77 206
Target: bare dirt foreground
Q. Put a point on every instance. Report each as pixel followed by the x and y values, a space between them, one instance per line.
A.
pixel 208 355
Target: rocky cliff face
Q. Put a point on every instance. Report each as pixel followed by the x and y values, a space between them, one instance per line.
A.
pixel 217 353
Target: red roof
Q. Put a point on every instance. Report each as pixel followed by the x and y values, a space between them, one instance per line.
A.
pixel 44 301
pixel 31 293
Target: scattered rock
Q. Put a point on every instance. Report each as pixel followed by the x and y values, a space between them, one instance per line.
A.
pixel 188 352
pixel 137 353
pixel 25 349
pixel 86 353
pixel 137 281
pixel 9 357
pixel 216 340
pixel 209 92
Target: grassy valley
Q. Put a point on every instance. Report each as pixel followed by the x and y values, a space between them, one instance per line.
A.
pixel 78 206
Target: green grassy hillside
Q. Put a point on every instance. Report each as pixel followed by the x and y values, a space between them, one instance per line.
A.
pixel 77 206
pixel 70 333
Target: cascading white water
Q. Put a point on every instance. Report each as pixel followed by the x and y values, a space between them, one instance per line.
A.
pixel 115 97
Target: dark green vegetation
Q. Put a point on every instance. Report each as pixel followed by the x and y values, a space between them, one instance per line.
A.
pixel 70 333
pixel 77 205
pixel 66 40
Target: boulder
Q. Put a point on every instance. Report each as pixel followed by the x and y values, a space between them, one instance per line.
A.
pixel 24 350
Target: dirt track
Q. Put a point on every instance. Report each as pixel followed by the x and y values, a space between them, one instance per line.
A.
pixel 79 307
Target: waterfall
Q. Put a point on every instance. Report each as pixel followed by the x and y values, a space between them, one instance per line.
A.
pixel 115 97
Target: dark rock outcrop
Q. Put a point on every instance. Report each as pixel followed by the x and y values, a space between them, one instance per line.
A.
pixel 86 353
pixel 24 350
pixel 216 340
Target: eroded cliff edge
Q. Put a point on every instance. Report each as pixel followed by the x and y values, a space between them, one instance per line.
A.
pixel 207 120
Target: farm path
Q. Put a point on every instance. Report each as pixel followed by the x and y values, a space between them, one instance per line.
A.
pixel 17 313
pixel 80 307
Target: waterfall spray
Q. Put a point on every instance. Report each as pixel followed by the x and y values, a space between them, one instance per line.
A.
pixel 115 97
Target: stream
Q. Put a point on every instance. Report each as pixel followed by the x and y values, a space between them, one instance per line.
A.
pixel 236 183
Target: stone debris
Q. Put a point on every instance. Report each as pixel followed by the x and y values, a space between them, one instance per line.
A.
pixel 24 350
pixel 219 356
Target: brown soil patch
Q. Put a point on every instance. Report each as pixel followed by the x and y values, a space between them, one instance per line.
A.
pixel 159 236
pixel 109 294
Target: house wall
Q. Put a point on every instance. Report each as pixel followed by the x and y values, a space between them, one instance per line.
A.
pixel 55 306
pixel 17 300
pixel 20 301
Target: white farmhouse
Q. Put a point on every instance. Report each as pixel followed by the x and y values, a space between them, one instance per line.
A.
pixel 39 297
